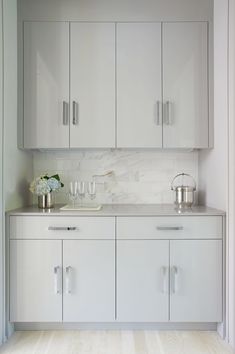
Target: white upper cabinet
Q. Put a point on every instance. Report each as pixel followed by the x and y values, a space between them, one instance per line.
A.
pixel 125 85
pixel 92 109
pixel 139 93
pixel 46 85
pixel 185 85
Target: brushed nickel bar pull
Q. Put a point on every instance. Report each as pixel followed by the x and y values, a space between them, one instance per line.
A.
pixel 175 284
pixel 164 273
pixel 167 113
pixel 68 279
pixel 65 113
pixel 158 112
pixel 56 279
pixel 169 228
pixel 75 113
pixel 63 228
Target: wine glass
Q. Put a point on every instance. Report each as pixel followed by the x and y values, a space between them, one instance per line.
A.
pixel 91 189
pixel 73 192
pixel 81 190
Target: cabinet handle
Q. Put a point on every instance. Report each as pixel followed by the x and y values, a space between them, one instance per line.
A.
pixel 158 113
pixel 63 228
pixel 167 113
pixel 68 279
pixel 65 113
pixel 175 278
pixel 169 228
pixel 164 271
pixel 75 113
pixel 56 279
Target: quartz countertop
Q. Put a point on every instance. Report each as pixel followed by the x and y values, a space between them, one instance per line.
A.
pixel 120 210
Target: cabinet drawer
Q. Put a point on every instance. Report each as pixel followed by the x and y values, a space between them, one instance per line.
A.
pixel 174 227
pixel 65 227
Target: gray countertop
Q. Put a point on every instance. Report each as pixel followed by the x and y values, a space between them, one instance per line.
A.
pixel 120 210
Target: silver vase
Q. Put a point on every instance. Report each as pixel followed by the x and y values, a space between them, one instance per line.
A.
pixel 46 201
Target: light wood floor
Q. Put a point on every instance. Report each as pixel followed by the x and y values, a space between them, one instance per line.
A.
pixel 115 342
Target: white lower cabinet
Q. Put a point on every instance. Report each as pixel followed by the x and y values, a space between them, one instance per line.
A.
pixel 38 278
pixel 89 281
pixel 157 271
pixel 142 280
pixel 35 281
pixel 169 280
pixel 196 281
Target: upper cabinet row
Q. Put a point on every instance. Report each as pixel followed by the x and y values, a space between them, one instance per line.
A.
pixel 125 85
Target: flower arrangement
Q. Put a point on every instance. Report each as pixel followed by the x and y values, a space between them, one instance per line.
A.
pixel 44 184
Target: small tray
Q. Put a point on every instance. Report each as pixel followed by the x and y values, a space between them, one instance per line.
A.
pixel 84 207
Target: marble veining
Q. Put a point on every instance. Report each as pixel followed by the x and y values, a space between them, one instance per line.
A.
pixel 139 176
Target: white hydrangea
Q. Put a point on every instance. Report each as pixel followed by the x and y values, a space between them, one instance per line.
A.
pixel 44 184
pixel 42 187
pixel 54 184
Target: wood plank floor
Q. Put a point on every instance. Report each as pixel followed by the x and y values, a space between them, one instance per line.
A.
pixel 115 342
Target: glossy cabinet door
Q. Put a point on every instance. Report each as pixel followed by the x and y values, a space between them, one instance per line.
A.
pixel 142 281
pixel 46 85
pixel 89 281
pixel 139 85
pixel 196 280
pixel 35 281
pixel 185 85
pixel 92 110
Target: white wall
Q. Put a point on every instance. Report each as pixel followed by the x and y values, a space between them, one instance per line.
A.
pixel 213 164
pixel 2 267
pixel 17 165
pixel 217 166
pixel 231 184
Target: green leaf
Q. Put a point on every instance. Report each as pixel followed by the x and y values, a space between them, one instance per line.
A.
pixel 56 177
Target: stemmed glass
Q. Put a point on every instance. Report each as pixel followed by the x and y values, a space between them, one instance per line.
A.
pixel 73 192
pixel 91 189
pixel 81 190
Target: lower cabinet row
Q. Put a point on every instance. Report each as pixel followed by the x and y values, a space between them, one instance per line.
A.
pixel 139 281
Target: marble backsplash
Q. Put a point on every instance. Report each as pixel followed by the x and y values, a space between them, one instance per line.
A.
pixel 137 176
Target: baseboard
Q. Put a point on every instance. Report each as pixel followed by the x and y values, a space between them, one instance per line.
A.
pixel 116 326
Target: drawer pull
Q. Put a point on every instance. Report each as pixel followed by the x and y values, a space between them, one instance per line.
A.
pixel 63 228
pixel 169 228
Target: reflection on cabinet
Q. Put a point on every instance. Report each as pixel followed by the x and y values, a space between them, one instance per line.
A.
pixel 142 280
pixel 164 274
pixel 69 280
pixel 139 91
pixel 57 55
pixel 35 281
pixel 185 85
pixel 92 106
pixel 168 271
pixel 162 85
pixel 196 275
pixel 71 72
pixel 89 281
pixel 46 85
